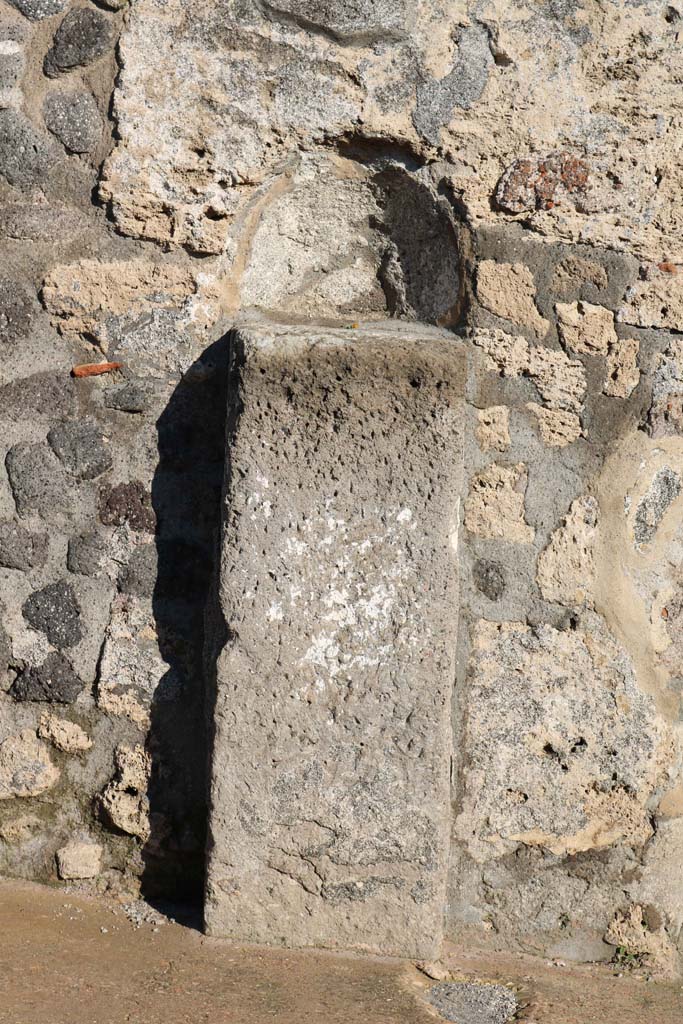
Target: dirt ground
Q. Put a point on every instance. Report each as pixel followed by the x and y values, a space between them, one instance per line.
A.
pixel 66 958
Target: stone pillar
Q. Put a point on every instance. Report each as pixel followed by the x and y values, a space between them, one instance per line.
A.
pixel 329 818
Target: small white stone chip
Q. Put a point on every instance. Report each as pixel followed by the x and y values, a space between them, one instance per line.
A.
pixel 79 859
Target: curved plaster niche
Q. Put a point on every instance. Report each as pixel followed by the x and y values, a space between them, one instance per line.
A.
pixel 336 238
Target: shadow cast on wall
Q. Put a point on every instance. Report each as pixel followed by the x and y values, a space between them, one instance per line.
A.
pixel 417 264
pixel 186 497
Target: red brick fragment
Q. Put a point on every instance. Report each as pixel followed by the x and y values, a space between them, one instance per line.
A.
pixel 94 369
pixel 540 183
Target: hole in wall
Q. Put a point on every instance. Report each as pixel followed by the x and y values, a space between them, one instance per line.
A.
pixel 346 238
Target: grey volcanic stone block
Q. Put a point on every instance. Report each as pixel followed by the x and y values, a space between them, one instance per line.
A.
pixel 83 36
pixel 80 447
pixel 21 549
pixel 54 681
pixel 25 155
pixel 329 817
pixel 86 553
pixel 75 119
pixel 38 9
pixel 55 611
pixel 39 483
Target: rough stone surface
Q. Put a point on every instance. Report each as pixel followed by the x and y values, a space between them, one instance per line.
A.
pixel 593 748
pixel 336 806
pixel 25 767
pixel 602 171
pixel 508 290
pixel 66 736
pixel 622 374
pixel 17 311
pixel 566 567
pixel 128 503
pixel 473 1002
pixel 661 882
pixel 505 353
pixel 489 578
pixel 55 611
pixel 556 426
pixel 664 488
pixel 461 87
pixel 493 430
pixel 140 574
pixel 81 449
pixel 559 380
pixel 575 268
pixel 586 328
pixel 21 549
pixel 38 9
pixel 54 681
pixel 83 35
pixel 39 484
pixel 541 183
pixel 132 398
pixel 86 554
pixel 133 671
pixel 495 504
pixel 74 119
pixel 360 21
pixel 375 242
pixel 656 301
pixel 665 416
pixel 25 155
pixel 124 802
pixel 635 934
pixel 353 161
pixel 78 296
pixel 79 860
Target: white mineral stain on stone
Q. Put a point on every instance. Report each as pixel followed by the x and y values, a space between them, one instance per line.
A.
pixel 275 613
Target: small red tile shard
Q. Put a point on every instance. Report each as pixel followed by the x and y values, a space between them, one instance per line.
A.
pixel 667 268
pixel 94 369
pixel 540 183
